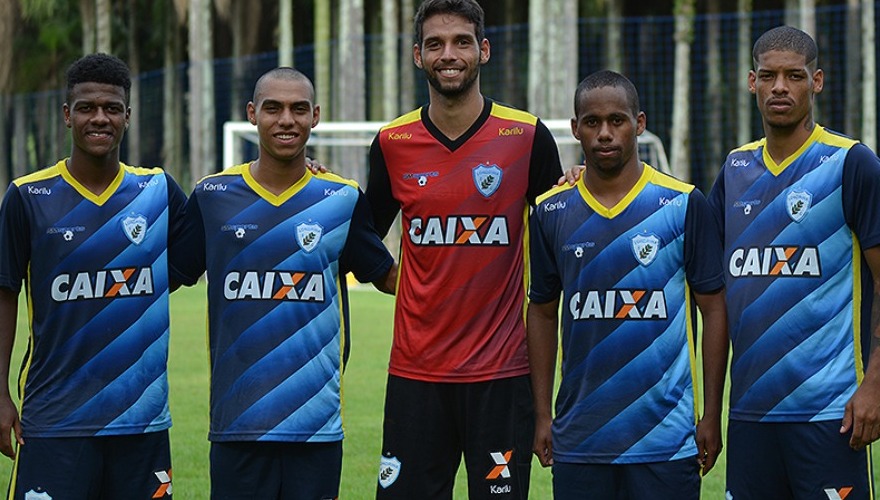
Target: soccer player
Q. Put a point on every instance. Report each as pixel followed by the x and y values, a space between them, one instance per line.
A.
pixel 276 242
pixel 631 250
pixel 89 237
pixel 462 171
pixel 801 223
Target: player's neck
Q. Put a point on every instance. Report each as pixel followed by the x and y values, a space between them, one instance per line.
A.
pixel 782 142
pixel 610 187
pixel 453 116
pixel 93 173
pixel 277 176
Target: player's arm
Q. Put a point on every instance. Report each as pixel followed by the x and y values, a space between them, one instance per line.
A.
pixel 383 206
pixel 704 269
pixel 542 323
pixel 9 421
pixel 862 414
pixel 861 189
pixel 544 166
pixel 388 282
pixel 187 245
pixel 715 349
pixel 364 254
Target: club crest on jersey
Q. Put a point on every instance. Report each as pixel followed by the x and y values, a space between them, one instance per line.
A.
pixel 487 179
pixel 798 204
pixel 135 227
pixel 389 469
pixel 645 248
pixel 308 235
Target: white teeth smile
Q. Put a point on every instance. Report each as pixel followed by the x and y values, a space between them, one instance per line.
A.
pixel 449 72
pixel 285 137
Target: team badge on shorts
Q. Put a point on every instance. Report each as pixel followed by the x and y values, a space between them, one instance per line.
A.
pixel 308 235
pixel 798 204
pixel 487 179
pixel 389 470
pixel 135 227
pixel 645 248
pixel 33 495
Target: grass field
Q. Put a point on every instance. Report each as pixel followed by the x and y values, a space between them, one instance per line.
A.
pixel 363 394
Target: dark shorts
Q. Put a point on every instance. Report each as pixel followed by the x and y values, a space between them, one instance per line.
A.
pixel 674 480
pixel 248 470
pixel 795 460
pixel 428 426
pixel 131 467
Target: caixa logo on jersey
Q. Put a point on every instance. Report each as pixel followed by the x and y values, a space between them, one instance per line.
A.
pixel 104 284
pixel 779 261
pixel 618 304
pixel 459 230
pixel 487 178
pixel 274 285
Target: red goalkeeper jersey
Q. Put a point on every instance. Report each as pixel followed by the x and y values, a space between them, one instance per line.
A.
pixel 460 309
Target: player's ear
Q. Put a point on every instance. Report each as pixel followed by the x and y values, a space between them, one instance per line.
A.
pixel 252 112
pixel 417 56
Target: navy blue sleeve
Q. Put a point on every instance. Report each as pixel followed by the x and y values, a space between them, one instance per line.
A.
pixel 186 248
pixel 382 203
pixel 546 283
pixel 861 194
pixel 15 240
pixel 544 166
pixel 703 255
pixel 364 253
pixel 716 201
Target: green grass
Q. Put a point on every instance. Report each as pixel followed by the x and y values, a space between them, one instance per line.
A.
pixel 363 394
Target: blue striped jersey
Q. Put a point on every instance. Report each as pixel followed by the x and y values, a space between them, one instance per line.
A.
pixel 96 274
pixel 626 274
pixel 277 305
pixel 798 290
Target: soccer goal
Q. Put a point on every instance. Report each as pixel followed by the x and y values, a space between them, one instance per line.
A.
pixel 354 139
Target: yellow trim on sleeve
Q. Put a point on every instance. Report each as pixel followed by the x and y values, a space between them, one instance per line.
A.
pixel 517 115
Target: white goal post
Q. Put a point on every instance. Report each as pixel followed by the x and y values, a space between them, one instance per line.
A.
pixel 337 134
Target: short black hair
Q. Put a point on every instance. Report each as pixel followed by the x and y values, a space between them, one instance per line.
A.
pixel 788 39
pixel 284 73
pixel 608 78
pixel 99 68
pixel 468 9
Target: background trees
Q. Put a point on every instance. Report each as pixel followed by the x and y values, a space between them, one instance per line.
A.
pixel 197 60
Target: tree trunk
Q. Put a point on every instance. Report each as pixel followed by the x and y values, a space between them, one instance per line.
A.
pixel 390 69
pixel 285 32
pixel 87 18
pixel 351 89
pixel 21 162
pixel 807 16
pixel 323 57
pixel 104 11
pixel 8 20
pixel 853 97
pixel 792 16
pixel 172 113
pixel 407 66
pixel 744 102
pixel 201 92
pixel 614 44
pixel 869 76
pixel 680 134
pixel 562 44
pixel 538 23
pixel 133 136
pixel 714 102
